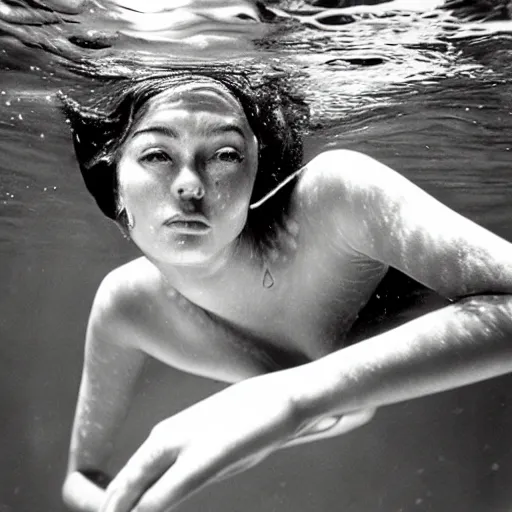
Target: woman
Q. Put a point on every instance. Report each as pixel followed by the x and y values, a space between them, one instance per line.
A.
pixel 254 271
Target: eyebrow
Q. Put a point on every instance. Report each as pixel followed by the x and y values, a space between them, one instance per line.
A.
pixel 208 129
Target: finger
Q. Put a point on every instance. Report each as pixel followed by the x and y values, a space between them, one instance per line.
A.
pixel 241 466
pixel 334 426
pixel 146 466
pixel 171 489
pixel 190 473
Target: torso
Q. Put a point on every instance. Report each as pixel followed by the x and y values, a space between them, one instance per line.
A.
pixel 257 321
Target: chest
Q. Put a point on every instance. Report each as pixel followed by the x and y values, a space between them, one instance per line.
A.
pixel 302 304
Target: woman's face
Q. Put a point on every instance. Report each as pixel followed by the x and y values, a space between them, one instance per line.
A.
pixel 186 174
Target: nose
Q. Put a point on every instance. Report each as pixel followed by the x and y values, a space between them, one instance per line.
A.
pixel 188 193
pixel 188 186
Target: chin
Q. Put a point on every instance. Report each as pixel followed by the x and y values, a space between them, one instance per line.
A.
pixel 191 255
pixel 190 250
pixel 188 260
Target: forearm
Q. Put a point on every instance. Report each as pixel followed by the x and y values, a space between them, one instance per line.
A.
pixel 81 494
pixel 463 343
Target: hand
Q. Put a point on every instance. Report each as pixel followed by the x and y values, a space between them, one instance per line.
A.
pixel 223 435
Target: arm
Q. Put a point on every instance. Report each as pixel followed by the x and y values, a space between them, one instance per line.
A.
pixel 376 214
pixel 389 219
pixel 109 375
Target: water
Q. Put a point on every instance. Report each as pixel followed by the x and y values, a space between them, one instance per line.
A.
pixel 424 92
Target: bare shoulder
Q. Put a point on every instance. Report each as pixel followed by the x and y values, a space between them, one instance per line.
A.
pixel 340 171
pixel 123 299
pixel 333 189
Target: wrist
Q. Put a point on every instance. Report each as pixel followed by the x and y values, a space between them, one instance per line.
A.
pixel 310 393
pixel 324 388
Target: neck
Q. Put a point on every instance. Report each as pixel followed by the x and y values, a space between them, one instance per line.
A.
pixel 209 271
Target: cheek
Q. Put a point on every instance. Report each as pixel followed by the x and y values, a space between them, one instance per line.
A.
pixel 233 191
pixel 231 194
pixel 135 187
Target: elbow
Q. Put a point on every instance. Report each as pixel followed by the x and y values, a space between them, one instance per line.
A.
pixel 67 491
pixel 84 491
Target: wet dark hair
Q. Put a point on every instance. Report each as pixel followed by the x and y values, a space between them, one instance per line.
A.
pixel 277 118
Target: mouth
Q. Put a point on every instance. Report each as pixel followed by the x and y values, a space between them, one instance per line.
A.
pixel 188 225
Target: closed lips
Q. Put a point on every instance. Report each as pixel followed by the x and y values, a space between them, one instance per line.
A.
pixel 191 224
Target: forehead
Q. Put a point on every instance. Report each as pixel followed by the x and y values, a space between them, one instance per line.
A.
pixel 209 98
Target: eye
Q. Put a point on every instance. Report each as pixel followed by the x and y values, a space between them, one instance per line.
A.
pixel 156 156
pixel 228 155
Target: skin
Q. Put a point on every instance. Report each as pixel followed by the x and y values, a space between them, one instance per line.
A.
pixel 197 303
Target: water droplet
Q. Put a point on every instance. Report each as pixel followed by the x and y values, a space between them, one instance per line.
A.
pixel 268 280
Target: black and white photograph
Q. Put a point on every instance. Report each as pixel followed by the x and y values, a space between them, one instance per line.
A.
pixel 256 256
